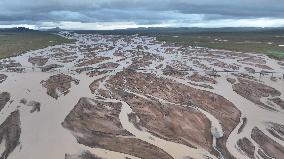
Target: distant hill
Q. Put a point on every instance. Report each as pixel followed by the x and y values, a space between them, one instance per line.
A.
pixel 56 29
pixel 17 29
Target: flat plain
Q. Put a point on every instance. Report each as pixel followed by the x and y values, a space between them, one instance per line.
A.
pixel 14 43
pixel 137 96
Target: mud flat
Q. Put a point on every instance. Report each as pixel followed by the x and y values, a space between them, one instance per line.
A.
pixel 109 65
pixel 9 63
pixel 277 130
pixel 173 123
pixel 148 84
pixel 245 76
pixel 281 63
pixel 269 146
pixel 50 67
pixel 143 61
pixel 86 62
pixel 226 66
pixel 244 122
pixel 95 85
pixel 3 77
pixel 38 60
pixel 10 132
pixel 278 101
pixel 58 84
pixel 4 98
pixel 34 104
pixel 199 78
pixel 231 80
pixel 247 147
pixel 254 91
pixel 83 155
pixel 96 124
pixel 170 71
pixel 97 73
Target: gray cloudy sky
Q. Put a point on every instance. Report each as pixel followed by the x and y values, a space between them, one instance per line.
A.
pixel 112 14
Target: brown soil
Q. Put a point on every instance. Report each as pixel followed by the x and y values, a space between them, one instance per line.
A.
pixel 10 131
pixel 133 118
pixel 159 66
pixel 257 65
pixel 35 106
pixel 243 125
pixel 273 79
pixel 97 72
pixel 244 75
pixel 174 123
pixel 227 66
pixel 253 91
pixel 271 148
pixel 95 116
pixel 10 63
pixel 50 67
pixel 180 65
pixel 276 128
pixel 281 63
pixel 231 80
pixel 95 84
pixel 199 78
pixel 3 77
pixel 82 69
pixel 142 60
pixel 174 92
pixel 109 65
pixel 38 60
pixel 84 155
pixel 23 101
pixel 263 67
pixel 104 93
pixel 58 83
pixel 88 61
pixel 200 65
pixel 264 156
pixel 170 71
pixel 68 59
pixel 61 52
pixel 250 70
pixel 278 101
pixel 4 98
pixel 253 59
pixel 96 124
pixel 18 70
pixel 212 74
pixel 247 147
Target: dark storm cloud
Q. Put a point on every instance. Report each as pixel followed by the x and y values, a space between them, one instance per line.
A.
pixel 138 11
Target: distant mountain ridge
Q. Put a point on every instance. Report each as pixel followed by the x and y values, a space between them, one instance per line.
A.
pixel 17 29
pixel 198 29
pixel 56 29
pixel 184 30
pixel 159 30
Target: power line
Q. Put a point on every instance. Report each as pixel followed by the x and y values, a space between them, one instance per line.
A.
pixel 212 72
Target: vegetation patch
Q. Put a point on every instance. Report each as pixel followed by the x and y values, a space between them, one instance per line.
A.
pixel 15 43
pixel 269 43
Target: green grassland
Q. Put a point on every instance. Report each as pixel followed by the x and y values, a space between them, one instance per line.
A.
pixel 14 43
pixel 267 43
